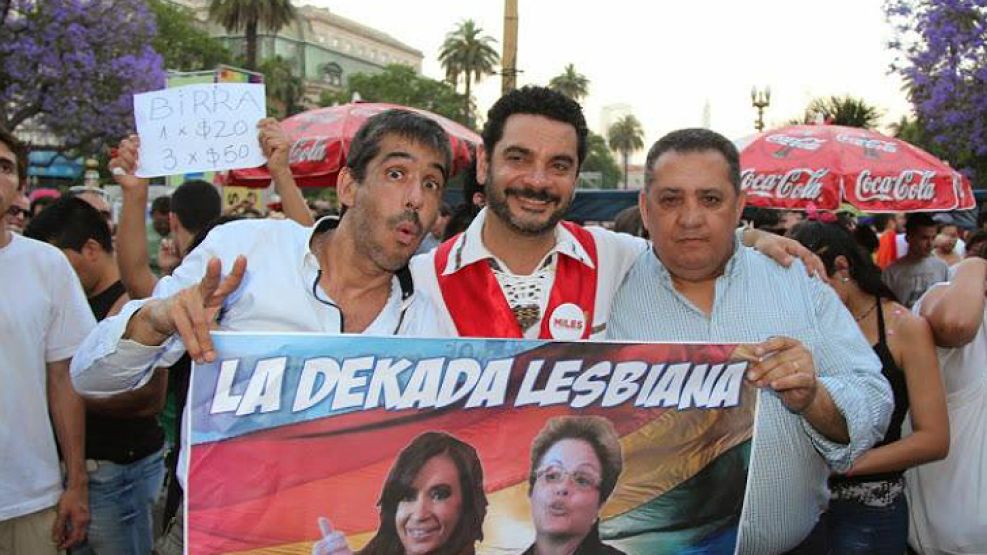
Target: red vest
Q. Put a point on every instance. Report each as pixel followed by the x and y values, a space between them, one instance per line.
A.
pixel 478 307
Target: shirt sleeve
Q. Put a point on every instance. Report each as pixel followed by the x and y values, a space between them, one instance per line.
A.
pixel 851 372
pixel 71 318
pixel 106 363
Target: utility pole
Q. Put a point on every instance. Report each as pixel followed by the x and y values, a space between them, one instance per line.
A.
pixel 509 57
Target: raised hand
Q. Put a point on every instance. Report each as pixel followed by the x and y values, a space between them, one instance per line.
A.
pixel 123 166
pixel 274 144
pixel 332 542
pixel 192 311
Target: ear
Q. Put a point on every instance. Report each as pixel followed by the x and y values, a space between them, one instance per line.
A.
pixel 172 220
pixel 482 165
pixel 642 204
pixel 91 250
pixel 741 203
pixel 346 187
pixel 841 265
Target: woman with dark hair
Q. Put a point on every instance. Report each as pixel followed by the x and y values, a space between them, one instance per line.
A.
pixel 868 512
pixel 432 503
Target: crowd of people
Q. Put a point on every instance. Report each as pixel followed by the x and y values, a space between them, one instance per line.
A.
pixel 869 333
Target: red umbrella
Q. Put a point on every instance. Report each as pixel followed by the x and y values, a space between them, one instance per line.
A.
pixel 321 139
pixel 825 165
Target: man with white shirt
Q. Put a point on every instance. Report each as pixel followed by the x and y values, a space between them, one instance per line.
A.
pixel 43 318
pixel 299 279
pixel 519 270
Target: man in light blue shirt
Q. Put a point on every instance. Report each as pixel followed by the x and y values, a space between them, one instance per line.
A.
pixel 823 399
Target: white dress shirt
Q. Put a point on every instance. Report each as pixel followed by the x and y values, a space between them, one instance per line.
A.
pixel 279 292
pixel 616 253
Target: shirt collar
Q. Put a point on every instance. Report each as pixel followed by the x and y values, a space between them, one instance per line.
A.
pixel 309 260
pixel 469 247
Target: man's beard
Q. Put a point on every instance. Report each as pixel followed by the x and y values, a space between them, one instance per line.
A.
pixel 368 245
pixel 497 202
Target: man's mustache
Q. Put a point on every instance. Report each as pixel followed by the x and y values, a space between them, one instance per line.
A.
pixel 532 193
pixel 409 216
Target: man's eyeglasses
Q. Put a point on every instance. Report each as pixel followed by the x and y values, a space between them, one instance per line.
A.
pixel 18 211
pixel 554 474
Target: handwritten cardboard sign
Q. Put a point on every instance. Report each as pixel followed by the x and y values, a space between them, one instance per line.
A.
pixel 198 128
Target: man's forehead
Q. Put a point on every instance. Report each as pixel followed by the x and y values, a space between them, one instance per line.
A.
pixel 534 132
pixel 6 153
pixel 393 145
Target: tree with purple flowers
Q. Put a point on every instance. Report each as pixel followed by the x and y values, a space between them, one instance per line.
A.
pixel 69 69
pixel 941 48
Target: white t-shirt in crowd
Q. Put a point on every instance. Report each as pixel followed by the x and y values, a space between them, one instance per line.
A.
pixel 947 499
pixel 44 316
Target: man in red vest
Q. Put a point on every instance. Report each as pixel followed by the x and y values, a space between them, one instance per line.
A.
pixel 519 270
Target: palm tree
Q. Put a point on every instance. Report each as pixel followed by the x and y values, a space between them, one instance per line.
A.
pixel 626 136
pixel 248 15
pixel 468 53
pixel 842 110
pixel 570 83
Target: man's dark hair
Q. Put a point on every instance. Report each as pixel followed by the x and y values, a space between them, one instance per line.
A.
pixel 68 223
pixel 694 140
pixel 916 221
pixel 535 101
pixel 976 244
pixel 20 154
pixel 195 204
pixel 403 123
pixel 162 204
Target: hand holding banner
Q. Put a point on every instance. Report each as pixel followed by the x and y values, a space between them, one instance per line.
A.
pixel 199 128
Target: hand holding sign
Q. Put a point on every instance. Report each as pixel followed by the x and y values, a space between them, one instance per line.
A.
pixel 199 128
pixel 332 542
pixel 123 165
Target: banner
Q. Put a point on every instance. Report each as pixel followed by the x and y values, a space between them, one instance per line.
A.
pixel 405 445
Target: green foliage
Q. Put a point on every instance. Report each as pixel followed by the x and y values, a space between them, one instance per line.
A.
pixel 847 111
pixel 571 83
pixel 249 15
pixel 469 54
pixel 916 132
pixel 285 90
pixel 626 136
pixel 182 44
pixel 600 159
pixel 400 84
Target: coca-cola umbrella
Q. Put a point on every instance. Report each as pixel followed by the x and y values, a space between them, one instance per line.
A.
pixel 824 165
pixel 321 139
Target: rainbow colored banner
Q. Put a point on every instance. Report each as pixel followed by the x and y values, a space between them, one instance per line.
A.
pixel 405 445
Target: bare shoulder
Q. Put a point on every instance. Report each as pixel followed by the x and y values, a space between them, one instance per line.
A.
pixel 907 332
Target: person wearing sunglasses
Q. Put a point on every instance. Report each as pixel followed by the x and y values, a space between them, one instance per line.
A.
pixel 575 464
pixel 18 214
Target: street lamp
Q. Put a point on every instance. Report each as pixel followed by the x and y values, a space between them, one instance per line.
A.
pixel 760 99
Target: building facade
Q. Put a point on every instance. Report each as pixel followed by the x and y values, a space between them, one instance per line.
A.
pixel 324 48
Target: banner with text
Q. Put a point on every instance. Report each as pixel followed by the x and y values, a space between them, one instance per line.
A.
pixel 304 443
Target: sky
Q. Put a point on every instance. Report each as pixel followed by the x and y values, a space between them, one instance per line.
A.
pixel 667 59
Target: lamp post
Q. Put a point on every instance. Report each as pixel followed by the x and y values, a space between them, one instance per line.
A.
pixel 760 99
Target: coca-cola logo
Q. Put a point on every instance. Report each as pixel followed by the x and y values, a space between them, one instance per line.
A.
pixel 801 143
pixel 867 144
pixel 799 184
pixel 907 185
pixel 307 150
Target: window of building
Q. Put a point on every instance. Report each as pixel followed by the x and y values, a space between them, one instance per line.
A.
pixel 332 74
